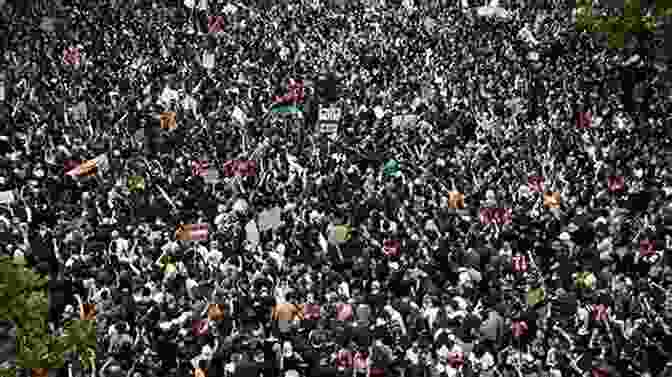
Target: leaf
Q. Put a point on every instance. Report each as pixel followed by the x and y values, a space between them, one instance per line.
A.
pixel 24 300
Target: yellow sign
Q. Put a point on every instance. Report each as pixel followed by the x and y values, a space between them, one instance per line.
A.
pixel 342 232
pixel 87 311
pixel 552 199
pixel 136 183
pixel 455 200
pixel 168 120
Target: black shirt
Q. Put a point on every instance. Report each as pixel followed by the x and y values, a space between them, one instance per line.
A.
pixel 248 369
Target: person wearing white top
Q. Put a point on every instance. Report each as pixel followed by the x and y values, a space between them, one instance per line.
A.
pixel 201 17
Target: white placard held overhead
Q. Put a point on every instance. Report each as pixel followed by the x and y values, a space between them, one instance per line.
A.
pixel 7 197
pixel 329 119
pixel 208 60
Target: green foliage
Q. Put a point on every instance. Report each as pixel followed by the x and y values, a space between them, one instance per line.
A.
pixel 632 21
pixel 24 300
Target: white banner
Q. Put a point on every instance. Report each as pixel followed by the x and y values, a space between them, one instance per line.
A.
pixel 330 115
pixel 328 119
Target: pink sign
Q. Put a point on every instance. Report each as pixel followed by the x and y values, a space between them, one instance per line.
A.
pixel 600 312
pixel 295 93
pixel 343 312
pixel 391 247
pixel 519 328
pixel 199 168
pixel 344 359
pixel 360 360
pixel 583 120
pixel 647 248
pixel 455 359
pixel 71 56
pixel 616 183
pixel 536 183
pixel 215 24
pixel 244 168
pixel 495 215
pixel 311 312
pixel 199 327
pixel 519 263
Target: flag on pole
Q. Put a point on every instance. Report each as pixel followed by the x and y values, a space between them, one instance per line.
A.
pixel 165 196
pixel 91 167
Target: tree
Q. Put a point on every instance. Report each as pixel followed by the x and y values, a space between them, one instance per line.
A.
pixel 634 20
pixel 24 301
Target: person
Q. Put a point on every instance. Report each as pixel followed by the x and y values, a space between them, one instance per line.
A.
pixel 470 113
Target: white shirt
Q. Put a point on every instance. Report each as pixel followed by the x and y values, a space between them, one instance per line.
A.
pixel 158 297
pixel 344 289
pixel 487 361
pixel 412 356
pixel 168 95
pixel 214 256
pixel 191 283
pixel 208 60
pixel 170 246
pixel 278 258
pixel 527 36
pixel 430 313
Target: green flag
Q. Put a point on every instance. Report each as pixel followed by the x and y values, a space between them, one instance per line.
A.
pixel 287 109
pixel 391 168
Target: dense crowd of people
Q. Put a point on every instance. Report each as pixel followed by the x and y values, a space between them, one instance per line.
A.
pixel 345 252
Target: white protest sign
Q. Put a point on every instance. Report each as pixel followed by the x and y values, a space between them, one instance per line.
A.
pixel 330 115
pixel 252 233
pixel 208 60
pixel 269 219
pixel 211 176
pixel 7 197
pixel 329 119
pixel 238 115
pixel 329 128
